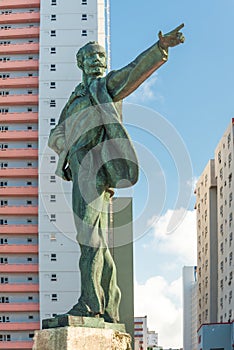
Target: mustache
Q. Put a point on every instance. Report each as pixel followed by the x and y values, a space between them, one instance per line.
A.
pixel 98 64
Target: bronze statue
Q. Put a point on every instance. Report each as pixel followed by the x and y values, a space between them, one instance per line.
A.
pixel 96 153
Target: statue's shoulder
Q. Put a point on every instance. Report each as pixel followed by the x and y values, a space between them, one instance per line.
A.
pixel 79 91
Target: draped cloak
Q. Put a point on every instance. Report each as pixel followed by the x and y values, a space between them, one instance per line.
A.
pixel 98 127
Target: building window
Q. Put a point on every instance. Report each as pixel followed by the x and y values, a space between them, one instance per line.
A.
pixel 221 247
pixel 53 257
pixel 4 280
pixel 52 121
pixel 230 219
pixel 221 284
pixel 53 2
pixel 3 183
pixel 221 173
pixel 52 198
pixel 52 217
pixel 30 298
pixel 4 319
pixel 29 259
pixel 52 103
pixel 52 159
pixel 53 17
pixel 221 210
pixel 4 165
pixel 230 239
pixel 53 33
pixel 31 335
pixel 53 67
pixel 3 203
pixel 53 50
pixel 230 259
pixel 4 300
pixel 54 297
pixel 230 180
pixel 29 183
pixel 84 2
pixel 230 297
pixel 221 303
pixel 53 277
pixel 229 140
pixel 52 178
pixel 221 266
pixel 52 85
pixel 3 128
pixel 5 337
pixel 30 317
pixel 84 32
pixel 84 17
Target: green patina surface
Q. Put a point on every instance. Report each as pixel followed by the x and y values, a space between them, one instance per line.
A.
pixel 97 155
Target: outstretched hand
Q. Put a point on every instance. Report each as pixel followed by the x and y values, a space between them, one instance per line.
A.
pixel 173 38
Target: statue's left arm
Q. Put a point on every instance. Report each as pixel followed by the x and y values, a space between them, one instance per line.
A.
pixel 123 82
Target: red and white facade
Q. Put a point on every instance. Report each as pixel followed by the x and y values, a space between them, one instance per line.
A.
pixel 38 267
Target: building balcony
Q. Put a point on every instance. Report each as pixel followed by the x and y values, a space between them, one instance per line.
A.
pixel 19 65
pixel 19 33
pixel 11 191
pixel 22 17
pixel 27 117
pixel 18 173
pixel 18 268
pixel 16 345
pixel 23 153
pixel 19 100
pixel 19 230
pixel 18 249
pixel 19 210
pixel 24 82
pixel 17 307
pixel 19 288
pixel 20 326
pixel 14 49
pixel 18 135
pixel 10 4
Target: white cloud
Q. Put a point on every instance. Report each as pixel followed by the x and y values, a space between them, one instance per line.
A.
pixel 160 298
pixel 146 91
pixel 155 299
pixel 182 241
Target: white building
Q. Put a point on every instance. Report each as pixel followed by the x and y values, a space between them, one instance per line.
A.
pixel 224 171
pixel 38 254
pixel 189 308
pixel 144 339
pixel 214 192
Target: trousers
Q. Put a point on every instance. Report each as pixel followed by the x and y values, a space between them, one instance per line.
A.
pixel 100 294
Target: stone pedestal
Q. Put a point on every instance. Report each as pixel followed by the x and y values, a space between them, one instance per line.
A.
pixel 81 333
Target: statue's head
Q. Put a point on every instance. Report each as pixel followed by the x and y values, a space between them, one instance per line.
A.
pixel 91 58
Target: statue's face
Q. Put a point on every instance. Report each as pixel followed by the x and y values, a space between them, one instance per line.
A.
pixel 94 61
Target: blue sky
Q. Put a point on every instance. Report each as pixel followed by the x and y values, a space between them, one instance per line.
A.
pixel 193 92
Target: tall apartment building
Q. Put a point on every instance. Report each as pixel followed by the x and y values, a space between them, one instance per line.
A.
pixel 144 339
pixel 38 267
pixel 206 204
pixel 214 193
pixel 190 307
pixel 224 170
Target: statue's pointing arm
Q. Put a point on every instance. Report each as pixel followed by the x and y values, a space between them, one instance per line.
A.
pixel 123 82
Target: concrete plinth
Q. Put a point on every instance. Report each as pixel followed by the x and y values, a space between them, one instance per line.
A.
pixel 81 338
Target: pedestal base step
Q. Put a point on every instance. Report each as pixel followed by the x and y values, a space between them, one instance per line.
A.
pixel 81 338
